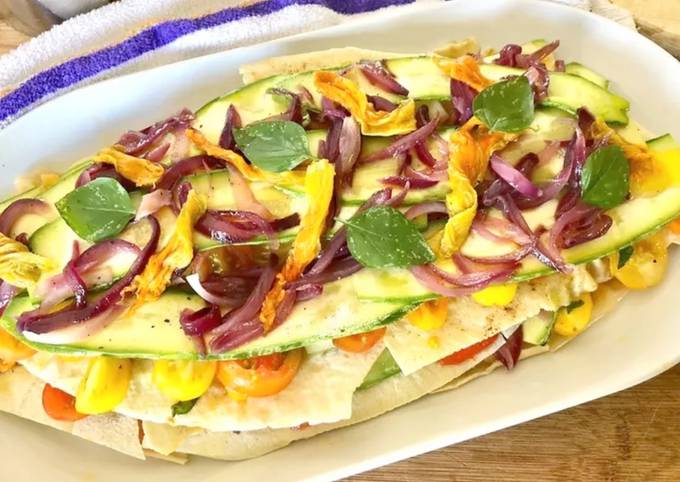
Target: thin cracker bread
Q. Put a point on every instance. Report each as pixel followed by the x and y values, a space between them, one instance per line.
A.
pixel 321 59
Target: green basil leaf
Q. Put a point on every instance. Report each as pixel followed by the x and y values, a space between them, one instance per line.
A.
pixel 506 106
pixel 98 210
pixel 624 256
pixel 573 305
pixel 381 237
pixel 605 177
pixel 182 408
pixel 274 146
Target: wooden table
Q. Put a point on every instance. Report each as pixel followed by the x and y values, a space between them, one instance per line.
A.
pixel 630 436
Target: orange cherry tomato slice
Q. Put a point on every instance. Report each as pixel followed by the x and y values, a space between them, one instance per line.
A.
pixel 360 342
pixel 261 376
pixel 59 405
pixel 466 353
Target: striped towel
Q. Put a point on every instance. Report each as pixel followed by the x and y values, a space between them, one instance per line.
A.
pixel 132 35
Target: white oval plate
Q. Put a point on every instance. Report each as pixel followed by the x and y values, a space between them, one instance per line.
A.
pixel 636 342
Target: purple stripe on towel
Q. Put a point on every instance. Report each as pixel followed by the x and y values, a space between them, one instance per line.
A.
pixel 76 70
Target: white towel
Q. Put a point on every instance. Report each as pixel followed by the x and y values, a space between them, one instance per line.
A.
pixel 132 35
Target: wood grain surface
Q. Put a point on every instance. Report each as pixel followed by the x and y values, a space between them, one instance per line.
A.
pixel 631 436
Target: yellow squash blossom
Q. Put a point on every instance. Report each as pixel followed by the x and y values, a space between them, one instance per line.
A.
pixel 319 190
pixel 11 351
pixel 469 151
pixel 18 266
pixel 650 172
pixel 250 172
pixel 430 315
pixel 373 123
pixel 140 171
pixel 465 69
pixel 177 253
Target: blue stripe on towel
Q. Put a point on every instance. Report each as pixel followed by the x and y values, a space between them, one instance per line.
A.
pixel 76 70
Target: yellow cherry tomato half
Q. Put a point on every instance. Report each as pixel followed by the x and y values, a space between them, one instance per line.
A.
pixel 647 265
pixel 574 318
pixel 104 385
pixel 11 349
pixel 183 380
pixel 430 315
pixel 261 376
pixel 496 295
pixel 360 342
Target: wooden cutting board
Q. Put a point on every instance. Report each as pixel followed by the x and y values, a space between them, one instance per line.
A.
pixel 657 19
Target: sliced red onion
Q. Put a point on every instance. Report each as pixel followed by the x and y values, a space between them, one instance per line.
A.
pixel 157 153
pixel 513 177
pixel 185 167
pixel 544 255
pixel 294 111
pixel 331 145
pixel 404 143
pixel 548 152
pixel 508 354
pixel 308 292
pixel 252 305
pixel 152 202
pixel 134 142
pixel 288 222
pixel 539 79
pixel 433 207
pixel 89 268
pixel 433 280
pixel 238 335
pixel 181 145
pixel 381 103
pixel 336 270
pixel 508 54
pixel 285 307
pixel 73 279
pixel 511 55
pixel 242 324
pixel 98 170
pixel 229 227
pixel 377 75
pixel 577 225
pixel 462 96
pixel 477 279
pixel 330 109
pixel 43 323
pixel 225 291
pixel 349 147
pixel 77 332
pixel 513 257
pixel 505 230
pixel 199 322
pixel 232 121
pixel 7 293
pixel 570 174
pixel 19 208
pixel 403 181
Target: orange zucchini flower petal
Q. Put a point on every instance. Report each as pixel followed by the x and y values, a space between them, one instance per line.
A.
pixel 140 171
pixel 307 243
pixel 250 172
pixel 373 123
pixel 177 253
pixel 469 151
pixel 465 69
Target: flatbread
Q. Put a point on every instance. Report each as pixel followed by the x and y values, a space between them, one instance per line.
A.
pixel 290 64
pixel 21 395
pixel 321 392
pixel 383 397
